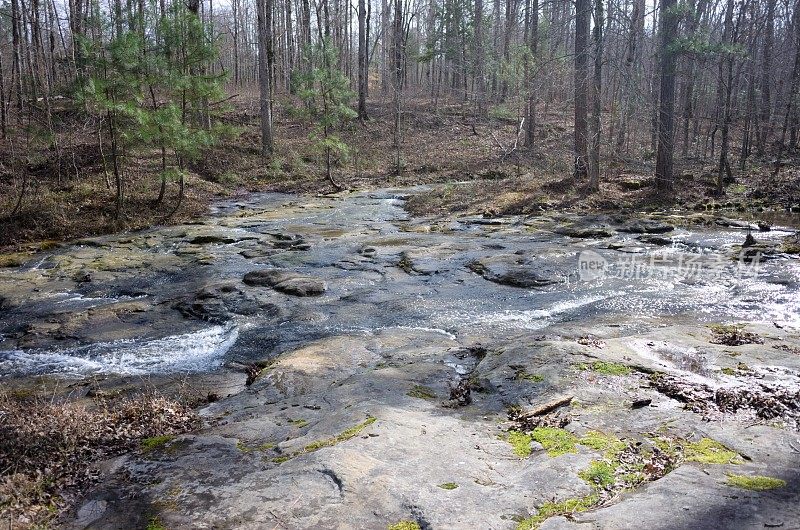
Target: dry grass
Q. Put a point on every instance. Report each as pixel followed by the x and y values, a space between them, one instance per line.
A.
pixel 48 447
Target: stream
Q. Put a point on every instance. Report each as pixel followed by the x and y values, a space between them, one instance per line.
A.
pixel 172 300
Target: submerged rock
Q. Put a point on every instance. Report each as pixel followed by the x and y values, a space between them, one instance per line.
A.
pixel 219 303
pixel 647 226
pixel 655 239
pixel 585 232
pixel 516 271
pixel 286 282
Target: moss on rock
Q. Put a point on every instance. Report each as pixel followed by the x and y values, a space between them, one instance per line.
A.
pixel 708 451
pixel 343 436
pixel 520 443
pixel 421 392
pixel 555 441
pixel 754 482
pixel 154 442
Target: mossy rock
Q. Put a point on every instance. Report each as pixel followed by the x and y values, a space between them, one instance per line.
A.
pixel 555 441
pixel 154 442
pixel 520 443
pixel 553 509
pixel 605 368
pixel 754 482
pixel 600 474
pixel 16 259
pixel 708 451
pixel 421 392
pixel 343 436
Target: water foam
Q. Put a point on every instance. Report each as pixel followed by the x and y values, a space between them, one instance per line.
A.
pixel 189 352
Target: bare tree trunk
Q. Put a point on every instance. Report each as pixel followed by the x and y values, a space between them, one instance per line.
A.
pixel 264 18
pixel 235 11
pixel 3 116
pixel 666 110
pixel 397 78
pixel 385 47
pixel 792 87
pixel 726 68
pixel 16 21
pixel 289 45
pixel 480 80
pixel 363 72
pixel 766 72
pixel 594 146
pixel 530 78
pixel 582 16
pixel 629 74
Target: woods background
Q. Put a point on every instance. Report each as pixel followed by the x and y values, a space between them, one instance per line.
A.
pixel 109 109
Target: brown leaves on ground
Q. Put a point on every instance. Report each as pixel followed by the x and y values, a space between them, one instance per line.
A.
pixel 760 399
pixel 48 448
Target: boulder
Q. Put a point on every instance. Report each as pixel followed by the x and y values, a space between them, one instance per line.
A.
pixel 286 282
pixel 647 226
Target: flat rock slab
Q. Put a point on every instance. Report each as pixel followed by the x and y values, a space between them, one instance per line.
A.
pixel 516 271
pixel 286 282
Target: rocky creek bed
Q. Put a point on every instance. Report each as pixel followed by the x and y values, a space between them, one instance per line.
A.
pixel 372 369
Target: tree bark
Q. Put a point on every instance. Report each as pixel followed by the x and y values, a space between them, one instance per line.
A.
pixel 530 78
pixel 666 108
pixel 766 71
pixel 363 72
pixel 480 81
pixel 594 145
pixel 582 15
pixel 264 18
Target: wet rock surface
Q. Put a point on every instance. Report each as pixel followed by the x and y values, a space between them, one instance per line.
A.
pixel 406 369
pixel 286 282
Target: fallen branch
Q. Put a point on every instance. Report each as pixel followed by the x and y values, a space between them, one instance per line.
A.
pixel 514 145
pixel 548 407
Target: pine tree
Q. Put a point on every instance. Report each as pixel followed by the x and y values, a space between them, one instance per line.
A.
pixel 325 91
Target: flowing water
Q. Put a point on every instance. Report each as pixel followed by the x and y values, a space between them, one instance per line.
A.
pixel 172 300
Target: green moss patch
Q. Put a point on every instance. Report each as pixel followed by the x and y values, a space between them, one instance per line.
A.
pixel 343 436
pixel 522 375
pixel 605 368
pixel 600 474
pixel 754 482
pixel 405 525
pixel 555 441
pixel 421 392
pixel 299 422
pixel 448 486
pixel 155 524
pixel 552 509
pixel 520 443
pixel 149 444
pixel 708 451
pixel 603 442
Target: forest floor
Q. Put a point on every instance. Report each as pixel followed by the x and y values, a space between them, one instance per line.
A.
pixel 474 166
